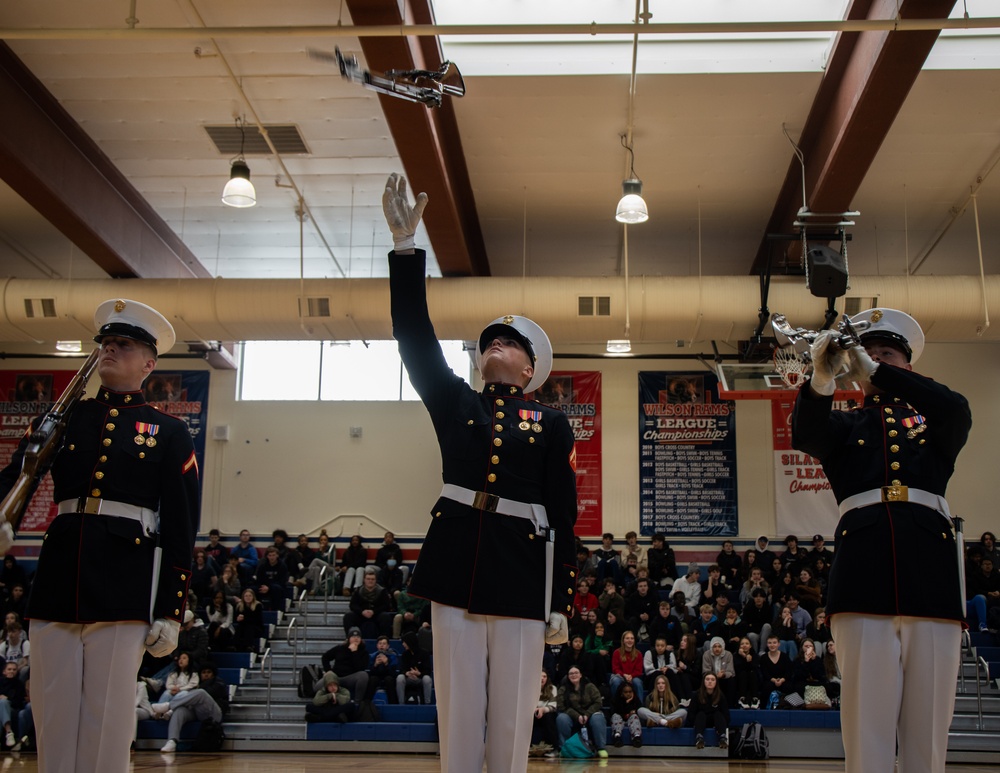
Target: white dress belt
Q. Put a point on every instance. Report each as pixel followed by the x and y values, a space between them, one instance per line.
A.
pixel 494 504
pixel 150 519
pixel 897 494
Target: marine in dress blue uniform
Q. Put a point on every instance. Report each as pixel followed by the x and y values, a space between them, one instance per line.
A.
pixel 498 561
pixel 117 556
pixel 895 597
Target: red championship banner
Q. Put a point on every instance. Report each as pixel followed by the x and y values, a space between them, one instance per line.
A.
pixel 578 395
pixel 25 394
pixel 804 503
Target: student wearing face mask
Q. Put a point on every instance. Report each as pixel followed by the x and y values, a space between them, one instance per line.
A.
pixel 391 551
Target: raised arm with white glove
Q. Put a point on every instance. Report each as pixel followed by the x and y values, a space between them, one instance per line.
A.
pixel 829 361
pixel 401 217
pixel 6 538
pixel 863 367
pixel 162 637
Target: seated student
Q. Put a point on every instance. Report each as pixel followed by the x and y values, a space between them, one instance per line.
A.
pixel 12 697
pixel 808 590
pixel 666 626
pixel 332 701
pixel 600 646
pixel 787 632
pixel 583 559
pixel 543 728
pixel 719 661
pixel 757 619
pixel 626 666
pixel 353 564
pixel 625 711
pixel 325 557
pixel 271 580
pixel 410 613
pixel 656 661
pixel 754 581
pixel 688 674
pixel 800 616
pixel 228 582
pixel 414 670
pixel 733 629
pixel 629 576
pixel 706 625
pixel 605 560
pixel 794 557
pixel 982 591
pixel 391 578
pixel 16 649
pixel 202 576
pixel 662 706
pixel 641 607
pixel 747 684
pixel 574 654
pixel 690 586
pixel 709 705
pixel 784 589
pixel 26 724
pixel 633 548
pixel 16 603
pixel 730 563
pixel 383 668
pixel 611 600
pixel 218 554
pixel 220 623
pixel 749 564
pixel 715 586
pixel 371 607
pixel 819 631
pixel 661 562
pixel 583 624
pixel 249 626
pixel 579 705
pixel 614 626
pixel 390 555
pixel 349 661
pixel 209 701
pixel 808 668
pixel 681 611
pixel 246 557
pixel 775 670
pixel 832 671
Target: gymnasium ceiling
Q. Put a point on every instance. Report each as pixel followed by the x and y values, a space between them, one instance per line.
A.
pixel 108 169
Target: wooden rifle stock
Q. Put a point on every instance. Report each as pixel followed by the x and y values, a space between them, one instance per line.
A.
pixel 43 444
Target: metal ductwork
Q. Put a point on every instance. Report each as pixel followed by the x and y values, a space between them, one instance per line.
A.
pixel 661 309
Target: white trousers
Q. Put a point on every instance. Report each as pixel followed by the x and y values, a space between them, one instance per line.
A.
pixel 83 694
pixel 487 675
pixel 899 677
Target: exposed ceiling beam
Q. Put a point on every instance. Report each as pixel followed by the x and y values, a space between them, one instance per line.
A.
pixel 867 80
pixel 428 140
pixel 51 162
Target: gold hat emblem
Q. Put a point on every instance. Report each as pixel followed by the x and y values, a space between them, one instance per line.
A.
pixel 876 315
pixel 119 306
pixel 508 320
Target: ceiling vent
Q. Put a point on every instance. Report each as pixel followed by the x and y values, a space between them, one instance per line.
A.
pixel 594 306
pixel 285 136
pixel 315 306
pixel 39 307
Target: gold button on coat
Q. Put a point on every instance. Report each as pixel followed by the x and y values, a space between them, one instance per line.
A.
pixel 499 401
pixel 890 421
pixel 861 441
pixel 183 576
pixel 897 482
pixel 139 542
pixel 497 441
pixel 500 414
pixel 894 448
pixel 531 440
pixel 109 427
pixel 893 433
pixel 498 427
pixel 495 459
pixel 106 441
pixel 471 422
pixel 895 465
pixel 113 412
pixel 72 446
pixel 492 478
pixel 889 411
pixel 102 459
pixel 180 593
pixel 99 475
pixel 95 492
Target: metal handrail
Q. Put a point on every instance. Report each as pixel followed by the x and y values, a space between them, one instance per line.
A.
pixel 293 642
pixel 266 659
pixel 326 596
pixel 966 648
pixel 304 611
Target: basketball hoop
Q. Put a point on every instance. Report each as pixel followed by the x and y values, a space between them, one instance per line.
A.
pixel 790 365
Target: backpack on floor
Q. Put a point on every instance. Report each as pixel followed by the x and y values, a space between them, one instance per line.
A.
pixel 308 677
pixel 368 712
pixel 752 743
pixel 210 737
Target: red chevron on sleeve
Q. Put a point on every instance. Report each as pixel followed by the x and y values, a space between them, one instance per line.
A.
pixel 572 458
pixel 189 464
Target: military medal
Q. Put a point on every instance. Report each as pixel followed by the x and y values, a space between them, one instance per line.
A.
pixel 150 430
pixel 536 427
pixel 915 425
pixel 524 426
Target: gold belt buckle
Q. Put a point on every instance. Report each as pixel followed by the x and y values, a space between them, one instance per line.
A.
pixel 484 501
pixel 90 505
pixel 895 494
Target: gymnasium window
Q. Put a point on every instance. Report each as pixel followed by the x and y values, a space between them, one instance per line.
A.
pixel 333 370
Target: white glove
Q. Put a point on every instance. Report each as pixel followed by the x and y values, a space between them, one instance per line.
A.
pixel 162 637
pixel 6 538
pixel 863 367
pixel 829 361
pixel 401 217
pixel 557 629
